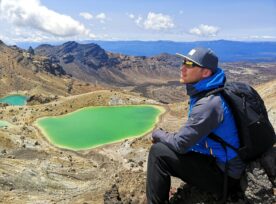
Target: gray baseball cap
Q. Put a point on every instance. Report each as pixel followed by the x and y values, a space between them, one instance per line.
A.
pixel 204 57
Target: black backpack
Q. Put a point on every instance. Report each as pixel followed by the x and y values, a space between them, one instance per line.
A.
pixel 255 132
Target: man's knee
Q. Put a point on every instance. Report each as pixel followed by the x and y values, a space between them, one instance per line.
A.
pixel 158 149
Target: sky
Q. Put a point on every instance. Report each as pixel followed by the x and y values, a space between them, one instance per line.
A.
pixel 146 20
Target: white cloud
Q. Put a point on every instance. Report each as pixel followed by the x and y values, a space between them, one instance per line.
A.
pixel 32 14
pixel 205 30
pixel 23 35
pixel 138 20
pixel 131 16
pixel 101 17
pixel 158 21
pixel 86 15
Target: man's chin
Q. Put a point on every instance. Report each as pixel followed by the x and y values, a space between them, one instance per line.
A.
pixel 182 81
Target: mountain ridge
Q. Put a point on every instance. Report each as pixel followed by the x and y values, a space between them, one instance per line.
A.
pixel 91 63
pixel 229 51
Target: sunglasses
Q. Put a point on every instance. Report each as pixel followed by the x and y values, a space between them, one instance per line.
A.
pixel 189 64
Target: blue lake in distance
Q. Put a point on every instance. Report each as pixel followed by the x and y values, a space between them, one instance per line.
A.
pixel 15 100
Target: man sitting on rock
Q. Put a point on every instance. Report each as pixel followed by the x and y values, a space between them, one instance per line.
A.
pixel 189 154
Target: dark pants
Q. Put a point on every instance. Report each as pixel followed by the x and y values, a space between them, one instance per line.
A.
pixel 193 168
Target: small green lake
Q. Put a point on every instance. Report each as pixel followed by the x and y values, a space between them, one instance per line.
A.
pixel 4 123
pixel 95 126
pixel 15 100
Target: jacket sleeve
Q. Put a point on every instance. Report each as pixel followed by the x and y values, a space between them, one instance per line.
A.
pixel 205 116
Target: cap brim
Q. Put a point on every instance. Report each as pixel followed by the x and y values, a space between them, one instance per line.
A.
pixel 180 55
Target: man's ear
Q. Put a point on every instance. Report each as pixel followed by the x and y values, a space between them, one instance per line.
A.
pixel 206 73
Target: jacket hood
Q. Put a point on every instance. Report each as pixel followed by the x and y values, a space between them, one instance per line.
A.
pixel 215 81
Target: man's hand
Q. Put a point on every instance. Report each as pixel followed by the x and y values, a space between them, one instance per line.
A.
pixel 155 137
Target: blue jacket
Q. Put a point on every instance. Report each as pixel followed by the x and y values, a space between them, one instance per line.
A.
pixel 206 115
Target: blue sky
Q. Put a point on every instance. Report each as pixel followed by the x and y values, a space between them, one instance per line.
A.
pixel 175 20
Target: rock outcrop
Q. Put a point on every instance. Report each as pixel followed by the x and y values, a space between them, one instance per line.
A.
pixel 112 196
pixel 40 99
pixel 87 56
pixel 48 65
pixel 257 185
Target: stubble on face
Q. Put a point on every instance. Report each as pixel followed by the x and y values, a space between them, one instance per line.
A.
pixel 192 75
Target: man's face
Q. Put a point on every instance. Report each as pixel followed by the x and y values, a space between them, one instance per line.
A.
pixel 191 73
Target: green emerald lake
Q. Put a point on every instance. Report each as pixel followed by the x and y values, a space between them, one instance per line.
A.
pixel 95 126
pixel 15 100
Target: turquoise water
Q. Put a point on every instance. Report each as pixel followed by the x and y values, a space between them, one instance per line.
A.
pixel 4 123
pixel 15 100
pixel 95 126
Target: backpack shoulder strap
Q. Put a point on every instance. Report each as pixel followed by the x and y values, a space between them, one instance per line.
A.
pixel 224 144
pixel 214 91
pixel 209 93
pixel 216 138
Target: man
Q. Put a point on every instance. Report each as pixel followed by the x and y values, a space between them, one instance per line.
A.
pixel 190 154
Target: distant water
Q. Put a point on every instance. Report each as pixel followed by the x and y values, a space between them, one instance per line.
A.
pixel 15 100
pixel 95 126
pixel 228 51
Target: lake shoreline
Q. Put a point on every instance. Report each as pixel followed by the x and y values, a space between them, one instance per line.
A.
pixel 16 99
pixel 162 110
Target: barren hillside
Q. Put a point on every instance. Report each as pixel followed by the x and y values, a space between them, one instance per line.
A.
pixel 21 71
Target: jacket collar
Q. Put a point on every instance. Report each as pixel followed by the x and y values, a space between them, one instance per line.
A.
pixel 216 80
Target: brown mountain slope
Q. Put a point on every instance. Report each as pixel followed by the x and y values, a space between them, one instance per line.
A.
pixel 91 63
pixel 21 71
